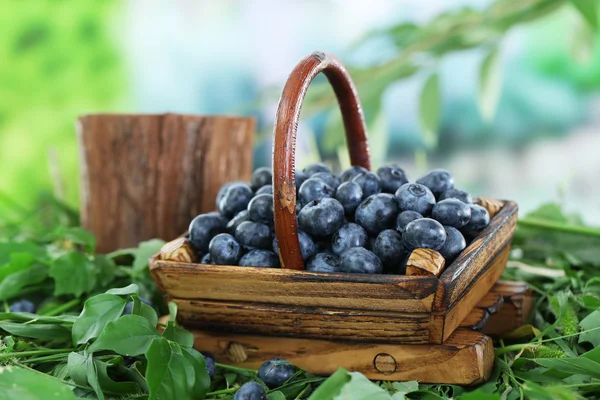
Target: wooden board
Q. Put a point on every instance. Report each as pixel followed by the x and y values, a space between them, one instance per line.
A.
pixel 515 312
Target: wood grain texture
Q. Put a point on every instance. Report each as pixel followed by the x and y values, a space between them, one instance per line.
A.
pixel 284 142
pixel 425 262
pixel 147 176
pixel 516 310
pixel 466 358
pixel 493 206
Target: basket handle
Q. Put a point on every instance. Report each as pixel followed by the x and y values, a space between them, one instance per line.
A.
pixel 284 144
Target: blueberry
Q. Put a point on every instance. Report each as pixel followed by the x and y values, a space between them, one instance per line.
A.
pixel 261 176
pixel 424 233
pixel 204 227
pixel 405 218
pixel 300 177
pixel 254 235
pixel 352 172
pixel 275 372
pixel 240 217
pixel 314 168
pixel 324 246
pixel 223 190
pixel 454 244
pixel 376 213
pixel 260 209
pixel 349 194
pixel 314 189
pixel 391 177
pixel 360 261
pixel 452 212
pixel 236 198
pixel 210 365
pixel 480 218
pixel 369 183
pixel 389 248
pixel 266 189
pixel 456 194
pixel 224 249
pixel 23 305
pixel 251 391
pixel 438 181
pixel 324 262
pixel 321 217
pixel 206 259
pixel 348 236
pixel 260 258
pixel 415 197
pixel 129 306
pixel 307 245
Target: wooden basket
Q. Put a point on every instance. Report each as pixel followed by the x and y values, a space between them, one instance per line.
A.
pixel 425 307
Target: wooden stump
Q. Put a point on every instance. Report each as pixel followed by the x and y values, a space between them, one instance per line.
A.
pixel 147 176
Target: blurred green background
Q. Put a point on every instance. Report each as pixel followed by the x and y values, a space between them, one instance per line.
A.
pixel 538 142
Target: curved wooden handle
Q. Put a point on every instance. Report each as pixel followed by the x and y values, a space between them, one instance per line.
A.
pixel 284 144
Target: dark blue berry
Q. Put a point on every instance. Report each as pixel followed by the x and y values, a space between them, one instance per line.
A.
pixel 254 235
pixel 275 372
pixel 314 168
pixel 349 194
pixel 389 248
pixel 299 178
pixel 452 212
pixel 424 233
pixel 223 190
pixel 236 198
pixel 328 178
pixel 352 172
pixel 376 213
pixel 206 259
pixel 415 197
pixel 240 217
pixel 23 305
pixel 260 209
pixel 324 246
pixel 204 227
pixel 438 181
pixel 307 245
pixel 210 365
pixel 261 176
pixel 454 244
pixel 359 260
pixel 260 258
pixel 405 218
pixel 129 306
pixel 224 249
pixel 391 178
pixel 314 189
pixel 480 218
pixel 369 183
pixel 251 391
pixel 321 217
pixel 348 236
pixel 324 262
pixel 266 189
pixel 456 194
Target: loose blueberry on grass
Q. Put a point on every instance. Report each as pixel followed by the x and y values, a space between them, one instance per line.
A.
pixel 328 178
pixel 260 209
pixel 254 235
pixel 369 183
pixel 438 181
pixel 454 244
pixel 23 305
pixel 210 365
pixel 405 218
pixel 348 236
pixel 236 198
pixel 376 213
pixel 424 233
pixel 349 194
pixel 321 217
pixel 251 391
pixel 359 260
pixel 266 189
pixel 314 168
pixel 480 218
pixel 452 212
pixel 204 227
pixel 275 372
pixel 307 245
pixel 415 197
pixel 260 258
pixel 389 248
pixel 352 172
pixel 240 217
pixel 224 249
pixel 314 189
pixel 391 178
pixel 129 306
pixel 456 194
pixel 261 176
pixel 324 262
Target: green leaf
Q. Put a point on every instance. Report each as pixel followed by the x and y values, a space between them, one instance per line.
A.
pixel 73 273
pixel 588 10
pixel 579 365
pixel 28 317
pixel 8 249
pixel 37 331
pixel 105 269
pixel 332 386
pixel 490 83
pixel 537 392
pixel 361 388
pixel 148 312
pixel 144 251
pixel 403 388
pixel 277 395
pixel 592 321
pixel 130 289
pixel 429 111
pixel 201 378
pixel 479 395
pixel 23 384
pixel 167 372
pixel 13 284
pixel 97 312
pixel 78 235
pixel 179 335
pixel 76 368
pixel 129 335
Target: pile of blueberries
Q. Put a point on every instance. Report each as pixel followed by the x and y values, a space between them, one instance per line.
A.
pixel 357 222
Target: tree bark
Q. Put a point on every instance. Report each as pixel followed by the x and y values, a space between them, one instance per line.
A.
pixel 147 176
